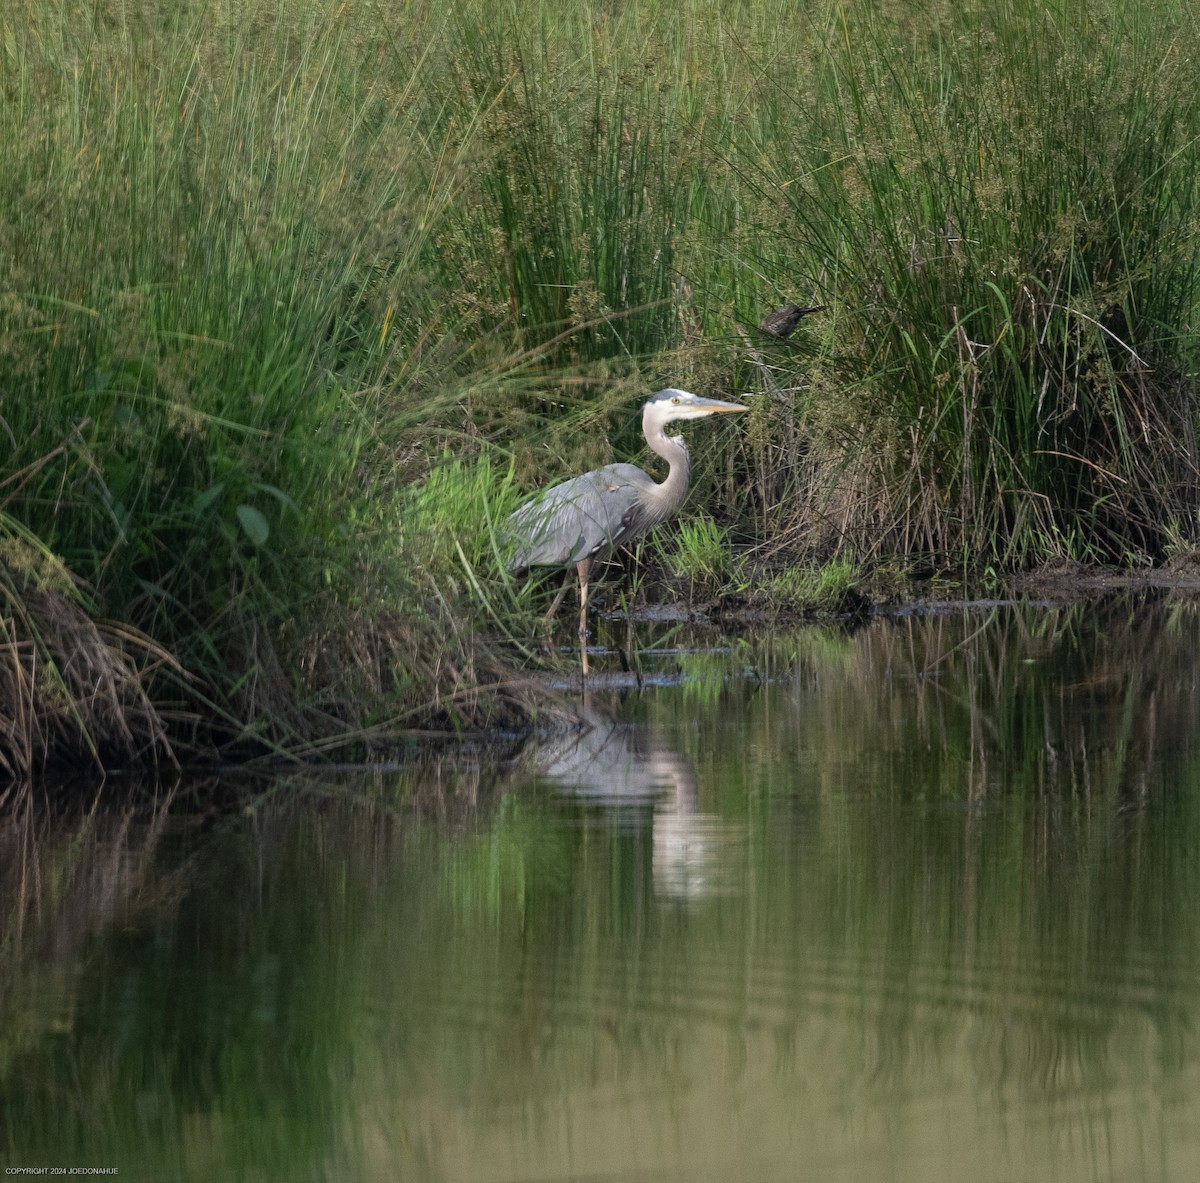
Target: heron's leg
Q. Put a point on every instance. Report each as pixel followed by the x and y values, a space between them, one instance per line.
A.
pixel 558 599
pixel 583 567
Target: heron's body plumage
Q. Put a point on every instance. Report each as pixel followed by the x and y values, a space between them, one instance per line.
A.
pixel 588 517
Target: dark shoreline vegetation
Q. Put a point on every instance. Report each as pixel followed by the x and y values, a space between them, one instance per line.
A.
pixel 268 268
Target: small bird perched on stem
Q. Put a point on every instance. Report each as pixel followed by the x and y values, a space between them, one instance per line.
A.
pixel 782 323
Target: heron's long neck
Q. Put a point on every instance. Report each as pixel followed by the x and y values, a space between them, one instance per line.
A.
pixel 673 490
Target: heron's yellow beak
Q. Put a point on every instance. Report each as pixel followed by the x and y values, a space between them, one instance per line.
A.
pixel 715 406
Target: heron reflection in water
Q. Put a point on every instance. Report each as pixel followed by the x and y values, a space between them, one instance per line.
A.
pixel 585 519
pixel 621 767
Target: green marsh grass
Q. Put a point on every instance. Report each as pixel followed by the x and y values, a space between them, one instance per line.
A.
pixel 264 267
pixel 1008 197
pixel 702 556
pixel 831 587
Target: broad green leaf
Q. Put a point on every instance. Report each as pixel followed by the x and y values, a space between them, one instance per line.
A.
pixel 203 500
pixel 255 525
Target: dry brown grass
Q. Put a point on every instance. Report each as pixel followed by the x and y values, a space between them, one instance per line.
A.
pixel 71 686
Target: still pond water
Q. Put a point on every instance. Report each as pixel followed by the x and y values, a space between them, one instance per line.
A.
pixel 918 902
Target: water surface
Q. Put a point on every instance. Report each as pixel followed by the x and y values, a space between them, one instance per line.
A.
pixel 913 902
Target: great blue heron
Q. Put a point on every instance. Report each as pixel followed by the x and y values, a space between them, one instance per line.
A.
pixel 586 518
pixel 782 323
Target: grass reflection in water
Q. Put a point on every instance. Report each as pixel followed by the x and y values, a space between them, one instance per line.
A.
pixel 915 901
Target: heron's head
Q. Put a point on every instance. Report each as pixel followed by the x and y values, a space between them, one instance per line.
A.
pixel 671 404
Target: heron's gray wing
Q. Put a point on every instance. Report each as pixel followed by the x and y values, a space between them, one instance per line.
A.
pixel 581 518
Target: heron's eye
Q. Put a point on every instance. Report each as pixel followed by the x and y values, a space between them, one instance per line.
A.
pixel 675 400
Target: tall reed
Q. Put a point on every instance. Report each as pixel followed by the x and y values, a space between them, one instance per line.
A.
pixel 265 266
pixel 1001 203
pixel 210 386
